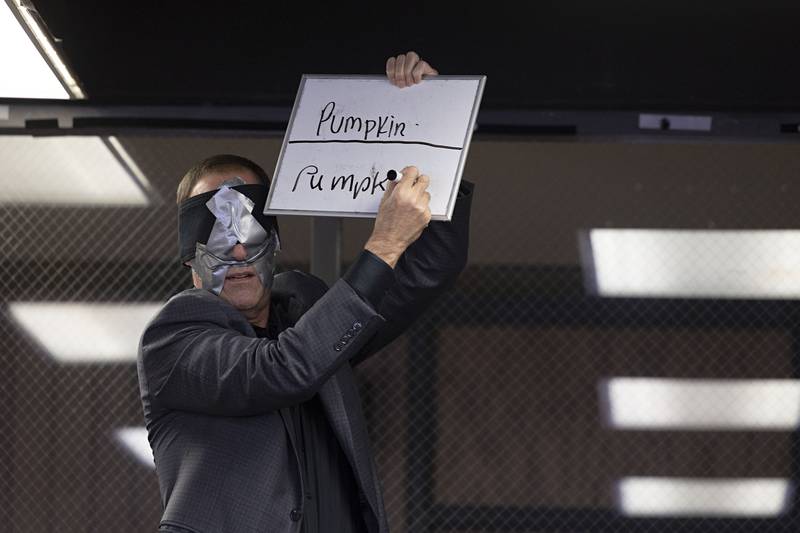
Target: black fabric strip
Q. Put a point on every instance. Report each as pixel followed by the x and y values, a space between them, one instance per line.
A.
pixel 370 277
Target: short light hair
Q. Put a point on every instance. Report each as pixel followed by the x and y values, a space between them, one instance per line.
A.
pixel 216 163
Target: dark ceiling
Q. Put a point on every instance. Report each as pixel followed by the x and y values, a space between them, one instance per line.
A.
pixel 565 54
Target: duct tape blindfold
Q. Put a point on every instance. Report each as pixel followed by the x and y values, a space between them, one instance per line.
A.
pixel 196 221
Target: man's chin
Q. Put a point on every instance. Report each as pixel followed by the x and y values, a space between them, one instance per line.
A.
pixel 245 298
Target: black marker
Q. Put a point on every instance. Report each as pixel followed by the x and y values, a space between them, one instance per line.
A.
pixel 392 175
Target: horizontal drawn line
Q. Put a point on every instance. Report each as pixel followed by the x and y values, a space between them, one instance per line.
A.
pixel 315 141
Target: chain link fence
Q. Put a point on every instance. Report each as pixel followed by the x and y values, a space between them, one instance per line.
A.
pixel 537 395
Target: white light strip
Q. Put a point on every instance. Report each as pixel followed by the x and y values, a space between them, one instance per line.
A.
pixel 41 37
pixel 694 264
pixel 85 332
pixel 71 170
pixel 134 441
pixel 24 73
pixel 698 404
pixel 757 497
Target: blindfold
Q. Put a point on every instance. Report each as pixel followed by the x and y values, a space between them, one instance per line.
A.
pixel 195 220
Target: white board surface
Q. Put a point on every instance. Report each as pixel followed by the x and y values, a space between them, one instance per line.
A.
pixel 347 133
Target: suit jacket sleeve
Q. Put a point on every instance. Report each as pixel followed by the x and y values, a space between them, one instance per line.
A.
pixel 427 268
pixel 199 354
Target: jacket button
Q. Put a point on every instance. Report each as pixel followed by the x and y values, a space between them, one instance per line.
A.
pixel 357 326
pixel 296 515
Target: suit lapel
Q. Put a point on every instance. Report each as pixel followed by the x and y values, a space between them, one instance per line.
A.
pixel 339 398
pixel 286 415
pixel 342 406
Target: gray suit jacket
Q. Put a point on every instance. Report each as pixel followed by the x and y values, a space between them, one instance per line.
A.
pixel 215 396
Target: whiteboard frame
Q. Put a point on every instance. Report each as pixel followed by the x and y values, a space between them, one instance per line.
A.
pixel 356 214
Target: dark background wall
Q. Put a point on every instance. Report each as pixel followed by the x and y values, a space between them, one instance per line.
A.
pixel 618 54
pixel 486 416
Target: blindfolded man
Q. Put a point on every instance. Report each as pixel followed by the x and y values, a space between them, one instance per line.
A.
pixel 246 380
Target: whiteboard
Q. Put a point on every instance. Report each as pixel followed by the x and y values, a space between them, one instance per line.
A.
pixel 347 133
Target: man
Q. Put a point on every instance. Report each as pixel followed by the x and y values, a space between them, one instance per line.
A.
pixel 246 381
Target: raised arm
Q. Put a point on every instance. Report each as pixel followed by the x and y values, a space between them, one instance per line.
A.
pixel 422 270
pixel 427 269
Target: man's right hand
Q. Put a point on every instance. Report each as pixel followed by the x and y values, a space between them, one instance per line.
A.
pixel 402 216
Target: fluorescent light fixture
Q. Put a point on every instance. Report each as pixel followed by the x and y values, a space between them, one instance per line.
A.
pixel 692 263
pixel 69 170
pixel 700 404
pixel 27 72
pixel 134 441
pixel 85 332
pixel 756 497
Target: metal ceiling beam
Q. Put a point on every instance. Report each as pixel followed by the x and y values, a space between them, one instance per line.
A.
pixel 65 118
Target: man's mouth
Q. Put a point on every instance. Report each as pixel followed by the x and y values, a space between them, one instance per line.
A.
pixel 239 275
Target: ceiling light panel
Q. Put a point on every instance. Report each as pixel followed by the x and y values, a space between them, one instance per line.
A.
pixel 700 404
pixel 68 170
pixel 694 264
pixel 134 441
pixel 687 497
pixel 85 332
pixel 24 73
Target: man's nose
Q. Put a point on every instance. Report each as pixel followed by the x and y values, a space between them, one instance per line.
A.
pixel 239 253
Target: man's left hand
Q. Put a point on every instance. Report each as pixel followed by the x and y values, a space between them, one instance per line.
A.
pixel 408 69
